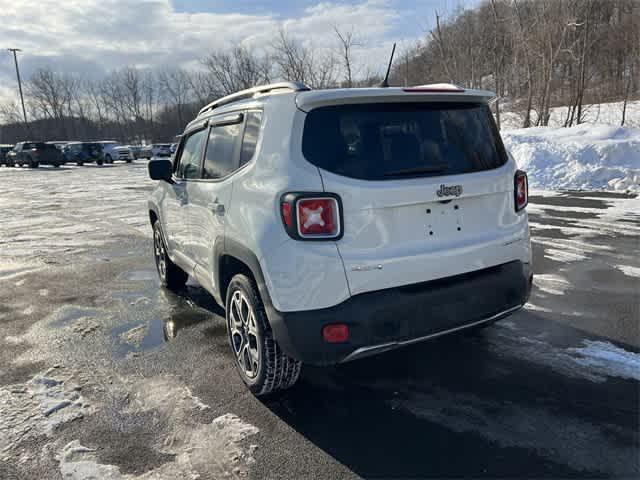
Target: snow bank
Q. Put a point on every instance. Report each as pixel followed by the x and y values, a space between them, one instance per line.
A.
pixel 588 157
pixel 597 113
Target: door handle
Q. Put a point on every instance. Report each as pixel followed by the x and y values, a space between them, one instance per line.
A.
pixel 216 207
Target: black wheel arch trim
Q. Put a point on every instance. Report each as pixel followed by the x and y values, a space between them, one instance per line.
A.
pixel 153 209
pixel 240 252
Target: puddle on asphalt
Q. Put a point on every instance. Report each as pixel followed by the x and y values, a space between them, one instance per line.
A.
pixel 140 337
pixel 70 314
pixel 572 214
pixel 569 201
pixel 141 275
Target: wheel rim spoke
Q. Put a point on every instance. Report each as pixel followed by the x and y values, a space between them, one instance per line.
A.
pixel 244 334
pixel 160 254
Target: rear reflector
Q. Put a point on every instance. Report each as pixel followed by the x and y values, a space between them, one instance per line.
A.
pixel 335 333
pixel 521 190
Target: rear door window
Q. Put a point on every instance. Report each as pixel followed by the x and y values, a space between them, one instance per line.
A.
pixel 250 138
pixel 391 141
pixel 221 156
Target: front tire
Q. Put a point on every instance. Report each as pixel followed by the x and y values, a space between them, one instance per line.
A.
pixel 171 275
pixel 108 158
pixel 262 365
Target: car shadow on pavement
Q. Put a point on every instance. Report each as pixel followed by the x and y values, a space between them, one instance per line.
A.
pixel 457 407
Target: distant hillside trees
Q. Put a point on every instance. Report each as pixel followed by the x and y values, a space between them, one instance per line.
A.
pixel 535 54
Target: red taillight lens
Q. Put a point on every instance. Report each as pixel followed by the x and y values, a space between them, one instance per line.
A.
pixel 521 190
pixel 287 217
pixel 311 216
pixel 335 333
pixel 318 217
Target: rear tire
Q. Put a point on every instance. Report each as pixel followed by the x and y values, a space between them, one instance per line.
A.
pixel 79 164
pixel 108 158
pixel 99 162
pixel 34 164
pixel 262 365
pixel 171 275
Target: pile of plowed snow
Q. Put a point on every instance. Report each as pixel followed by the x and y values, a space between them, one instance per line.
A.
pixel 586 157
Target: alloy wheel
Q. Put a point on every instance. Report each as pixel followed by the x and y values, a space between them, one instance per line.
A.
pixel 160 254
pixel 244 334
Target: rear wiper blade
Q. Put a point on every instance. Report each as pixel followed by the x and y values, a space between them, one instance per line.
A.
pixel 411 171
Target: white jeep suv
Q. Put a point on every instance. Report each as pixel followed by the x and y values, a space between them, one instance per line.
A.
pixel 336 224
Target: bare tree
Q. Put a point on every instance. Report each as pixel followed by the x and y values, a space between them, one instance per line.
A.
pixel 237 69
pixel 347 43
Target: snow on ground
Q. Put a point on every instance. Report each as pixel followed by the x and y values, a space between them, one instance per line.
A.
pixel 551 283
pixel 592 360
pixel 42 404
pixel 629 270
pixel 599 113
pixel 213 448
pixel 589 157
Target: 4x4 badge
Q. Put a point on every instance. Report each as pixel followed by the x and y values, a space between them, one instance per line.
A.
pixel 455 190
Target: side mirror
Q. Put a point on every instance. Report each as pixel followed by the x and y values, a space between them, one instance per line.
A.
pixel 161 169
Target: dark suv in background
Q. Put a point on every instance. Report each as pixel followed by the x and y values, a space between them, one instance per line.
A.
pixel 84 152
pixel 4 149
pixel 34 154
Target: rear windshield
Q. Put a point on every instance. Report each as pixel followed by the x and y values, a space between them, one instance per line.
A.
pixel 91 146
pixel 387 141
pixel 38 145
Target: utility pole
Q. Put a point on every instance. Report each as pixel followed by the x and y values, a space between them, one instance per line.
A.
pixel 15 59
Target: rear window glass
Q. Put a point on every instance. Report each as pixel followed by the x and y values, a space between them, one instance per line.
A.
pixel 390 141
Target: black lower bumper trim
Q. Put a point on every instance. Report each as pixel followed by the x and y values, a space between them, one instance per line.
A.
pixel 394 317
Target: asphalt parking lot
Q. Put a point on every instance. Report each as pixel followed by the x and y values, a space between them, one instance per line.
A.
pixel 103 373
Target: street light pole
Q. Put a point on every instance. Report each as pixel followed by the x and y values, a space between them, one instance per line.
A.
pixel 15 59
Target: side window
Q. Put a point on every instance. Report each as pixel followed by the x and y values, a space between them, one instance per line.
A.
pixel 250 139
pixel 191 156
pixel 220 159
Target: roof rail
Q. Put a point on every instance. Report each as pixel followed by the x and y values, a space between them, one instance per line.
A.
pixel 254 92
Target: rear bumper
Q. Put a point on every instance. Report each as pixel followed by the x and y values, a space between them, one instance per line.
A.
pixel 391 318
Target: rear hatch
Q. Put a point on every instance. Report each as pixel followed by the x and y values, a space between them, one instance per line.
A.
pixel 426 189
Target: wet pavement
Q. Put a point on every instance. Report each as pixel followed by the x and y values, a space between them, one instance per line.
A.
pixel 104 373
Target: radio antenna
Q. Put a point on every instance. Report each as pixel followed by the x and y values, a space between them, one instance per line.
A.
pixel 385 82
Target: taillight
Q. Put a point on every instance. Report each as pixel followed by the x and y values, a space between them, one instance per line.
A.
pixel 287 216
pixel 312 216
pixel 521 190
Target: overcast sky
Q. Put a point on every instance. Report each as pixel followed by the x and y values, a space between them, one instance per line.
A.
pixel 93 36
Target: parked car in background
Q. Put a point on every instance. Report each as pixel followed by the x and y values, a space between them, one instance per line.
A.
pixel 59 144
pixel 161 150
pixel 84 152
pixel 136 150
pixel 34 154
pixel 361 221
pixel 124 153
pixel 108 147
pixel 4 149
pixel 145 152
